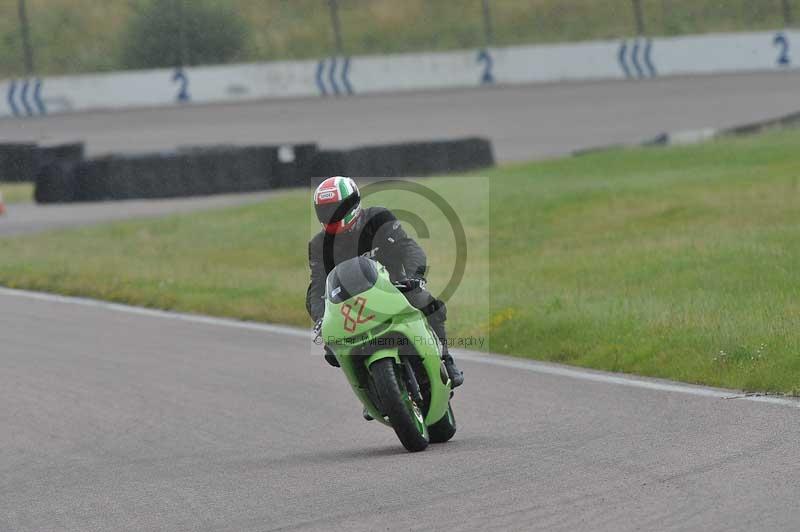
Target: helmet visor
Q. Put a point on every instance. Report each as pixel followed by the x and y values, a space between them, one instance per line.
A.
pixel 329 213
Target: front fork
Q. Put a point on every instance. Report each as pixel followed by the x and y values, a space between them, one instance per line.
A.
pixel 411 382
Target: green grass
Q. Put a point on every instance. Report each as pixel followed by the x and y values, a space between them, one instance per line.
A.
pixel 72 36
pixel 679 263
pixel 17 192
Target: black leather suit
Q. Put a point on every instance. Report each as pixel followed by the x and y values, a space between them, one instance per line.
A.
pixel 378 235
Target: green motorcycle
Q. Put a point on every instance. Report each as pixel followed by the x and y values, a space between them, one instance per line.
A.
pixel 388 353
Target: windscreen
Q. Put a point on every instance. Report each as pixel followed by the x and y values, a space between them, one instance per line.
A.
pixel 350 278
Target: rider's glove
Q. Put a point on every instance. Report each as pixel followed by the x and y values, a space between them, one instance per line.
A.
pixel 317 330
pixel 330 358
pixel 411 283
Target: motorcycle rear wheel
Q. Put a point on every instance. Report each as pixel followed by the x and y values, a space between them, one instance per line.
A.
pixel 404 414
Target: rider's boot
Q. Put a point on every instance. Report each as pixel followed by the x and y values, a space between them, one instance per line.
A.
pixel 366 415
pixel 455 374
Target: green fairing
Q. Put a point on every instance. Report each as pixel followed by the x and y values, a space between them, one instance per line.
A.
pixel 385 312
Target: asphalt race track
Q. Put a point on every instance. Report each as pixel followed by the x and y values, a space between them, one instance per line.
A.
pixel 119 419
pixel 31 218
pixel 524 122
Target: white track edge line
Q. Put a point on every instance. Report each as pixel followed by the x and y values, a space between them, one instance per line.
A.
pixel 472 356
pixel 155 313
pixel 621 380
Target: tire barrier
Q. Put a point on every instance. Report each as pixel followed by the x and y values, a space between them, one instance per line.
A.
pixel 21 162
pixel 190 171
pixel 55 183
pixel 294 167
pixel 202 171
pixel 47 155
pixel 17 162
pixel 411 159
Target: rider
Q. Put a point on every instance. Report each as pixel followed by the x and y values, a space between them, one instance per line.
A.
pixel 350 230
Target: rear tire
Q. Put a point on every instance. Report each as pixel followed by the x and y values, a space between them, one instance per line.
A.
pixel 404 414
pixel 444 429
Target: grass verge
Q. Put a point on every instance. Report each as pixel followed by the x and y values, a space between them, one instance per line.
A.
pixel 678 263
pixel 74 36
pixel 17 192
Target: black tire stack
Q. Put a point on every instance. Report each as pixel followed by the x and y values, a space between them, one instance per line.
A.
pixel 62 175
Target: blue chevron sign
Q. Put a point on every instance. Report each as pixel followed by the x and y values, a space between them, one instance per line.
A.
pixel 333 76
pixel 24 98
pixel 635 58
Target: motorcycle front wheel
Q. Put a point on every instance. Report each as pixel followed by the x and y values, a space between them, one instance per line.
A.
pixel 403 412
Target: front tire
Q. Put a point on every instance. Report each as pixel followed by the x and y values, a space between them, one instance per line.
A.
pixel 403 413
pixel 444 429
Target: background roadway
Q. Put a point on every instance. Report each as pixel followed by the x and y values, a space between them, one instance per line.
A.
pixel 524 122
pixel 31 218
